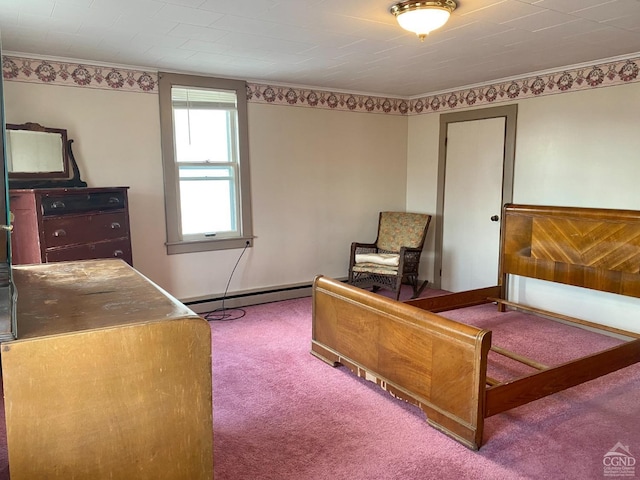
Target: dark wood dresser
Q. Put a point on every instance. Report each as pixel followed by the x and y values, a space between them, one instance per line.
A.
pixel 62 224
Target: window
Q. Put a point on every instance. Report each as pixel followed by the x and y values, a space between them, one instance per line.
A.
pixel 206 164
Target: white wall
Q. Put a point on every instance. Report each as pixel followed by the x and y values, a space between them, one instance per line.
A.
pixel 319 179
pixel 572 149
pixel 116 143
pixel 422 178
pixel 580 149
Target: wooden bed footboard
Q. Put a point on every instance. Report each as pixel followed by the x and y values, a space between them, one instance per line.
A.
pixel 437 364
pixel 441 365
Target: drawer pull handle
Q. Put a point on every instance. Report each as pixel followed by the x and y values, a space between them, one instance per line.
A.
pixel 118 253
pixel 60 233
pixel 58 204
pixel 114 200
pixel 115 226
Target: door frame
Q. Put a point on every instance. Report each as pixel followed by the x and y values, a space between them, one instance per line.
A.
pixel 510 113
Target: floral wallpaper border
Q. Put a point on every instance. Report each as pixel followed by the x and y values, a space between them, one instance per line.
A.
pixel 583 78
pixel 593 76
pixel 113 78
pixel 78 75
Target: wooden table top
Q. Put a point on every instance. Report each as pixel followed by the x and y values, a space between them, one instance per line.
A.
pixel 59 298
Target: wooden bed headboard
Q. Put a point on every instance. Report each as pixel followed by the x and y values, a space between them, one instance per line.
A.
pixel 585 247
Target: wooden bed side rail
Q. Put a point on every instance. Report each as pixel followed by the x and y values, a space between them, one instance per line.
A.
pixel 566 318
pixel 526 389
pixel 435 363
pixel 452 301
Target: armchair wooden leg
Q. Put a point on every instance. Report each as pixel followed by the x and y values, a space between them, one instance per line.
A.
pixel 418 291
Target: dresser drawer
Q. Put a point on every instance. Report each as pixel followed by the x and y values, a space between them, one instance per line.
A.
pixel 115 249
pixel 82 202
pixel 56 224
pixel 74 229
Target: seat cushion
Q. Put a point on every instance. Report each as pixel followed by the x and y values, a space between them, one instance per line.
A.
pixel 388 259
pixel 375 268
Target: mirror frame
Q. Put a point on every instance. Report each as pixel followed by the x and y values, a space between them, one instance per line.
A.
pixel 55 179
pixel 35 127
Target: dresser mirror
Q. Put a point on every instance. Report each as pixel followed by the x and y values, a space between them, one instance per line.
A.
pixel 40 157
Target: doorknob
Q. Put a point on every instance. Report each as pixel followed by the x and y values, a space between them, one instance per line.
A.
pixel 495 218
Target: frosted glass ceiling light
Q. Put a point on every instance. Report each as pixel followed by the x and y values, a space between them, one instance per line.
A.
pixel 423 17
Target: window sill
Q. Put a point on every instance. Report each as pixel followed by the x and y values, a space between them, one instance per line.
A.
pixel 208 245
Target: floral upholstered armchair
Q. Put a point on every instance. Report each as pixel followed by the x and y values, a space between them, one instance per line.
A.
pixel 394 258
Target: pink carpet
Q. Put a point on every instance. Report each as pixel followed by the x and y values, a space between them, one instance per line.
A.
pixel 282 414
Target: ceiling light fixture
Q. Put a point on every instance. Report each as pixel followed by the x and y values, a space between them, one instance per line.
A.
pixel 423 17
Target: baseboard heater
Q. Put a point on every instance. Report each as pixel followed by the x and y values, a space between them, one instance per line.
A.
pixel 249 297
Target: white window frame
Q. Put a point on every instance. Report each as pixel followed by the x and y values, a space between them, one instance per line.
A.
pixel 176 243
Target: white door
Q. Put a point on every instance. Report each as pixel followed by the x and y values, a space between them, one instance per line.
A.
pixel 472 203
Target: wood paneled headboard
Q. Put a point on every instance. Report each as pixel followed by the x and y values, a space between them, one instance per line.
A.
pixel 586 247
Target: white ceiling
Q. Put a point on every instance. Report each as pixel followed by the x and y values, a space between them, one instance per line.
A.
pixel 348 45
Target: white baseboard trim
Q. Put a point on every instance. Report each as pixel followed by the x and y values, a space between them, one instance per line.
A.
pixel 247 298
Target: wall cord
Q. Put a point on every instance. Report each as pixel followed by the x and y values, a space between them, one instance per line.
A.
pixel 222 313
